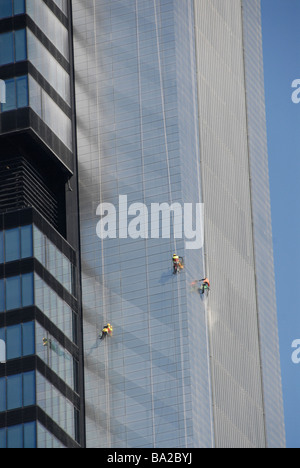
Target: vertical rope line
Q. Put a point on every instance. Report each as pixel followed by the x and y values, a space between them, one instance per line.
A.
pixel 171 201
pixel 146 240
pixel 107 392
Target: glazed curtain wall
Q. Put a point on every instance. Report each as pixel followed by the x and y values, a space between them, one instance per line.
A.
pixel 136 100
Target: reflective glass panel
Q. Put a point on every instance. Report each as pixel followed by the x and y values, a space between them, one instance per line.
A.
pixel 12 245
pixel 14 391
pixel 30 435
pixel 19 7
pixel 22 91
pixel 14 342
pixel 13 293
pixel 11 102
pixel 26 242
pixel 2 296
pixel 27 290
pixel 2 394
pixel 15 437
pixel 29 388
pixel 20 45
pixel 28 342
pixel 6 48
pixel 3 438
pixel 5 8
pixel 1 247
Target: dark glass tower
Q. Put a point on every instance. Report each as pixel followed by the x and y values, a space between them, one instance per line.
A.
pixel 41 382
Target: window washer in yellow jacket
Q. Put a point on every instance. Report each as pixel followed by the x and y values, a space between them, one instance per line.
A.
pixel 107 330
pixel 177 263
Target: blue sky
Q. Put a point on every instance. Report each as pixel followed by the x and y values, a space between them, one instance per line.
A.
pixel 281 47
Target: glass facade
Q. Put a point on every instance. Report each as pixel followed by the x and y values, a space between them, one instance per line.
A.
pixel 261 211
pixel 11 8
pixel 25 44
pixel 41 378
pixel 45 336
pixel 137 136
pixel 161 108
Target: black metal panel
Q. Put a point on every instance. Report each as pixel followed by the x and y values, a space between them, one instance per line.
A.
pixel 21 186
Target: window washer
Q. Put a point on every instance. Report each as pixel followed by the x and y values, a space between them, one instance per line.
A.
pixel 107 330
pixel 177 263
pixel 205 285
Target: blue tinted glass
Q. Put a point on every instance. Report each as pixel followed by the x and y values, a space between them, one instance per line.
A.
pixel 11 102
pixel 14 391
pixel 26 240
pixel 6 48
pixel 2 334
pixel 13 342
pixel 15 437
pixel 28 339
pixel 13 293
pixel 30 435
pixel 20 45
pixel 2 394
pixel 1 248
pixel 5 8
pixel 2 298
pixel 22 91
pixel 12 245
pixel 19 7
pixel 29 388
pixel 2 438
pixel 27 290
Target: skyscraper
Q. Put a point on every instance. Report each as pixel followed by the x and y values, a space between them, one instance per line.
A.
pixel 133 130
pixel 170 110
pixel 41 383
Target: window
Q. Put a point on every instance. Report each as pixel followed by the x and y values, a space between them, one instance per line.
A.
pixel 13 342
pixel 11 102
pixel 13 47
pixel 19 339
pixel 14 391
pixel 19 390
pixel 13 293
pixel 1 248
pixel 16 292
pixel 27 290
pixel 26 242
pixel 16 93
pixel 21 436
pixel 9 8
pixel 19 7
pixel 53 260
pixel 14 437
pixel 12 245
pixel 2 296
pixel 6 48
pixel 6 9
pixel 16 244
pixel 20 45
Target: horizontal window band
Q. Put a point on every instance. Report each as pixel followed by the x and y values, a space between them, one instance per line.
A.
pixel 14 70
pixel 33 313
pixel 24 21
pixel 34 413
pixel 26 119
pixel 30 215
pixel 31 363
pixel 31 265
